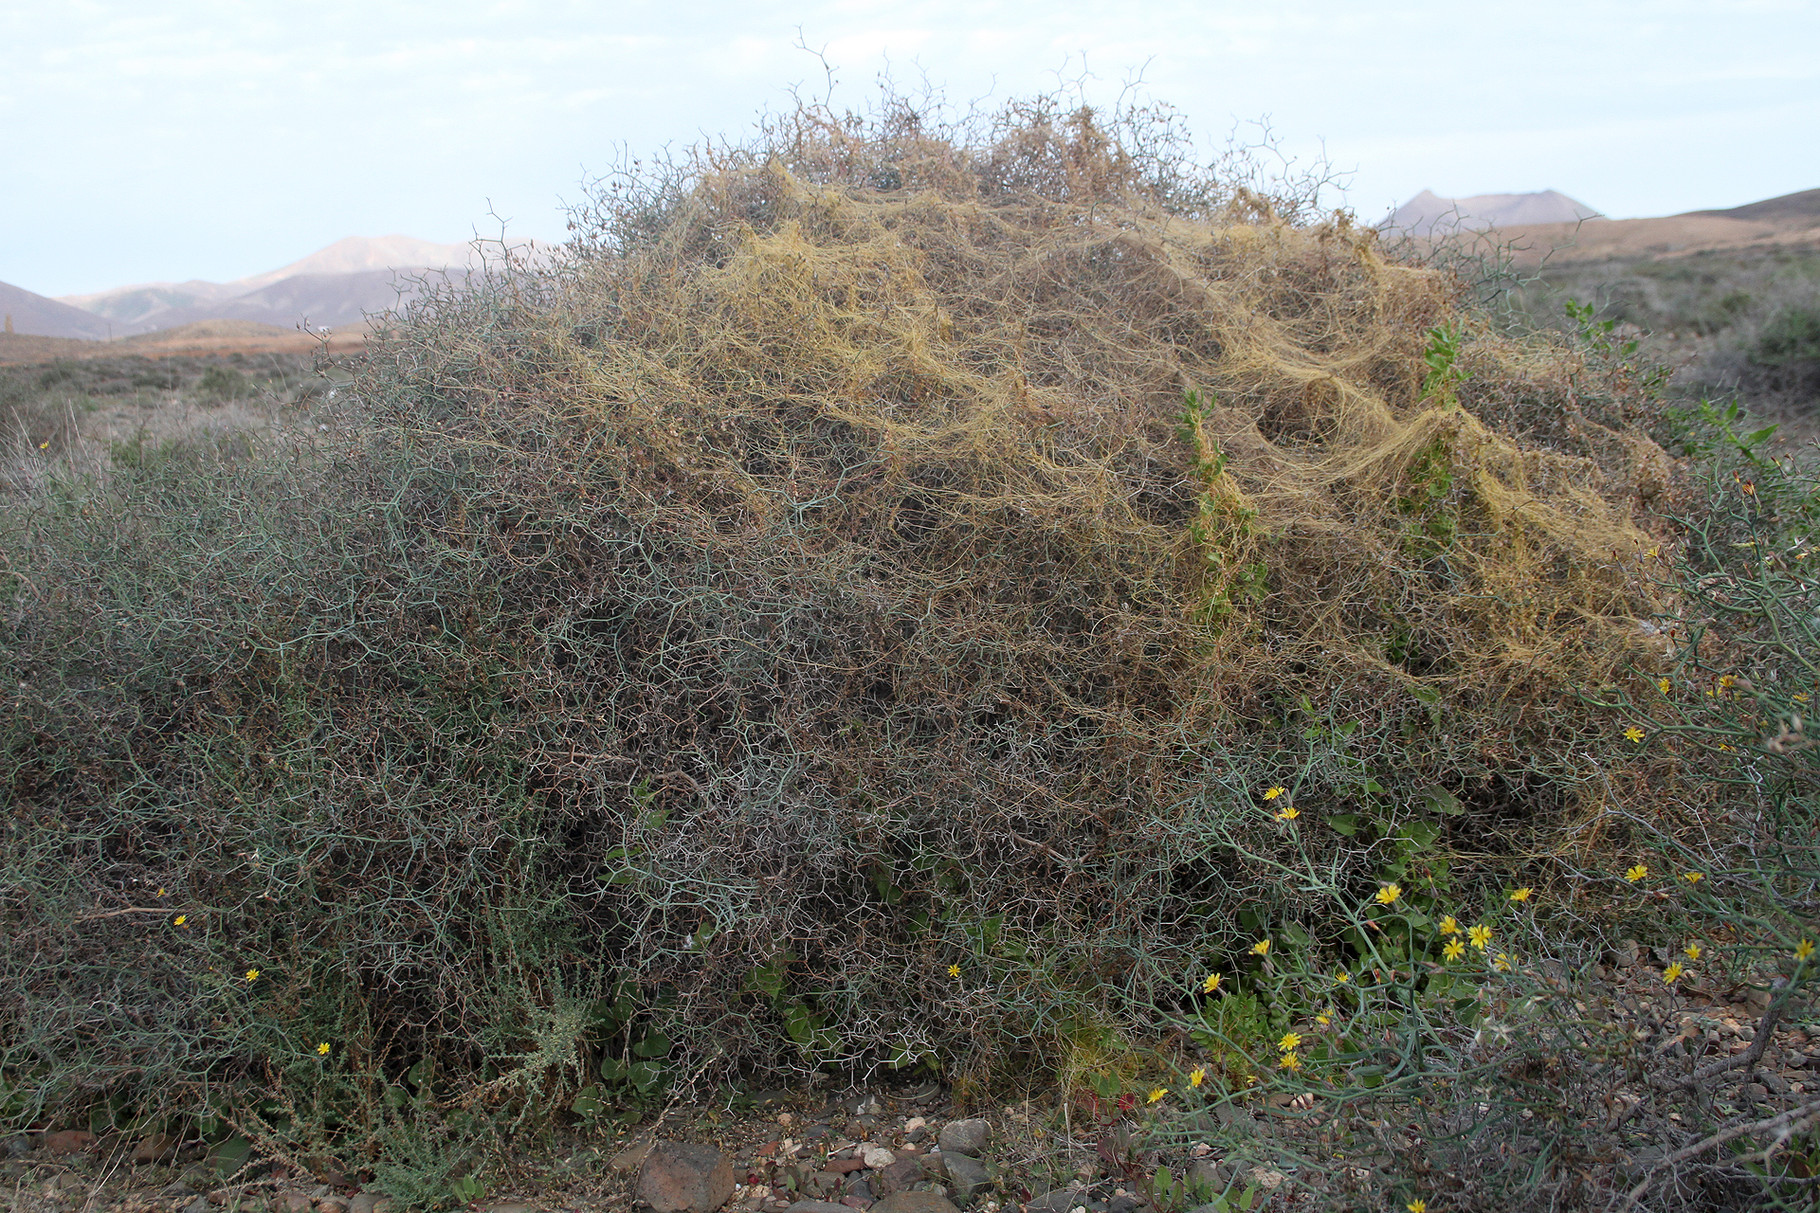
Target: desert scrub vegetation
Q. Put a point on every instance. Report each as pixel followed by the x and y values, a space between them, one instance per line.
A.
pixel 921 592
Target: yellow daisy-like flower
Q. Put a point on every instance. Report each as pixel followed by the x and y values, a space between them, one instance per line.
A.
pixel 1197 1076
pixel 1290 1043
pixel 1662 685
pixel 1291 1061
pixel 161 892
pixel 1479 936
pixel 1288 813
pixel 1523 894
pixel 1804 949
pixel 1636 873
pixel 182 920
pixel 1503 962
pixel 252 974
pixel 1450 925
pixel 1272 793
pixel 1693 951
pixel 1693 877
pixel 1454 949
pixel 1342 977
pixel 1156 1093
pixel 323 1049
pixel 1418 1205
pixel 1389 894
pixel 1211 984
pixel 1633 733
pixel 1672 973
pixel 954 970
pixel 1324 1018
pixel 1261 948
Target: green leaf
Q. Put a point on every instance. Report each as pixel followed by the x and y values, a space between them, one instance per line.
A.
pixel 1440 800
pixel 1762 434
pixel 587 1101
pixel 1344 823
pixel 654 1045
pixel 230 1155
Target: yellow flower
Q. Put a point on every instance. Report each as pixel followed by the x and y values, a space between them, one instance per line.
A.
pixel 954 970
pixel 1454 949
pixel 1291 1061
pixel 1261 948
pixel 1633 733
pixel 180 920
pixel 1156 1093
pixel 1804 949
pixel 1197 1076
pixel 1211 984
pixel 1324 1018
pixel 1673 972
pixel 1450 925
pixel 1288 813
pixel 1389 893
pixel 1693 951
pixel 1342 977
pixel 1693 877
pixel 1290 1042
pixel 323 1049
pixel 1479 936
pixel 1662 685
pixel 161 892
pixel 1523 894
pixel 252 974
pixel 1637 873
pixel 1418 1205
pixel 1273 793
pixel 1503 962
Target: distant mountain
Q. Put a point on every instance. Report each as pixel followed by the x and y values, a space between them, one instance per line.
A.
pixel 1804 206
pixel 37 316
pixel 334 286
pixel 1428 213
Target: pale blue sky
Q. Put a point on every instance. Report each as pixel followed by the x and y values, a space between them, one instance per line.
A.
pixel 170 139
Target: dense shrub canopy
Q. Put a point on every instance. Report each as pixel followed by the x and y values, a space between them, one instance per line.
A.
pixel 882 550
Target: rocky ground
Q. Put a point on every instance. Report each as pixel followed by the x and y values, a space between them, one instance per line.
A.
pixel 879 1149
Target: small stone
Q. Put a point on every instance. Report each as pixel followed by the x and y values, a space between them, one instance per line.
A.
pixel 1775 1082
pixel 877 1158
pixel 915 1202
pixel 967 1137
pixel 680 1176
pixel 1207 1176
pixel 859 1189
pixel 384 1204
pixel 18 1146
pixel 816 1206
pixel 815 1132
pixel 1625 954
pixel 362 1202
pixel 66 1141
pixel 1061 1200
pixel 198 1204
pixel 331 1204
pixel 294 1202
pixel 1125 1202
pixel 509 1206
pixel 966 1175
pixel 785 1119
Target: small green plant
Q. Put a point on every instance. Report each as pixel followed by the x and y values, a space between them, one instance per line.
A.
pixel 1224 529
pixel 1441 382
